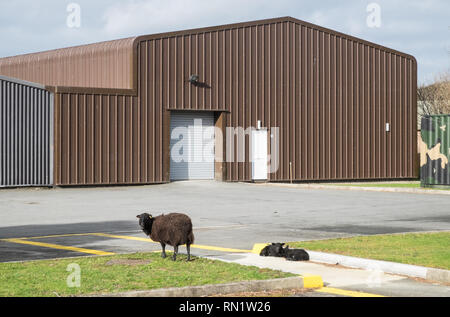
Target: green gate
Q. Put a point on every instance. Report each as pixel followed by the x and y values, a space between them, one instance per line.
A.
pixel 434 147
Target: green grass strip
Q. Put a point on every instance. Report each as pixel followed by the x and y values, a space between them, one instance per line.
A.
pixel 424 249
pixel 98 275
pixel 389 185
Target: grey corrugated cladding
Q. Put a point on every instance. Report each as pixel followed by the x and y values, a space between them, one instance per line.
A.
pixel 26 134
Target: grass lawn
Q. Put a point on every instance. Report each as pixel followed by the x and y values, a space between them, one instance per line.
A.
pixel 425 249
pixel 118 273
pixel 390 185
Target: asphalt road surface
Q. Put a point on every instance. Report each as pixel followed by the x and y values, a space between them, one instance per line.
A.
pixel 230 215
pixel 228 218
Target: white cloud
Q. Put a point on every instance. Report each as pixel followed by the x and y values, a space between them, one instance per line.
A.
pixel 319 18
pixel 142 16
pixel 417 27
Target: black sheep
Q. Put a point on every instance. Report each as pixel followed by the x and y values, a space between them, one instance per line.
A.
pixel 277 250
pixel 295 254
pixel 173 229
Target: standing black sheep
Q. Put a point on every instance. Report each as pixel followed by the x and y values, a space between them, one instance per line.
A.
pixel 173 229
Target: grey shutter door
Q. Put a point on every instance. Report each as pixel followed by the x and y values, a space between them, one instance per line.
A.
pixel 191 145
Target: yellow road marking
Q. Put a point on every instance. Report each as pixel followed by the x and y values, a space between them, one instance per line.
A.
pixel 312 281
pixel 196 246
pixel 258 247
pixel 57 246
pixel 56 236
pixel 337 291
pixel 99 234
pixel 207 247
pixel 121 237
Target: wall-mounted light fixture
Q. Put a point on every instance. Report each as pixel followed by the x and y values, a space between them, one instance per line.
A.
pixel 193 79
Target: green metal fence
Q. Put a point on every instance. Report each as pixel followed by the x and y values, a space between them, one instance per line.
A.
pixel 434 146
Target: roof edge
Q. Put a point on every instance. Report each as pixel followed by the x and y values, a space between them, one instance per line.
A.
pixel 354 38
pixel 131 38
pixel 269 21
pixel 24 82
pixel 92 90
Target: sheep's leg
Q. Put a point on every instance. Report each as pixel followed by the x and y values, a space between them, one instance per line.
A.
pixel 163 254
pixel 175 251
pixel 188 248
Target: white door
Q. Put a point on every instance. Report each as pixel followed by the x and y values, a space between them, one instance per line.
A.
pixel 191 145
pixel 259 155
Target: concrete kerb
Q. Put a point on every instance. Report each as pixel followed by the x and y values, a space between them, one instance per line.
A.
pixel 430 274
pixel 295 282
pixel 357 188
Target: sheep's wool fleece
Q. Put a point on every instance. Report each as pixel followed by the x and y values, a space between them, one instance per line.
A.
pixel 172 229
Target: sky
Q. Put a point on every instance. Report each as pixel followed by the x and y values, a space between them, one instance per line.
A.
pixel 418 27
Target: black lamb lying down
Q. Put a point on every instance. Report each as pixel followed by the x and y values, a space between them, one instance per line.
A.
pixel 277 250
pixel 173 229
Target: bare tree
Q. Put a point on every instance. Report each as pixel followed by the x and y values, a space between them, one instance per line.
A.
pixel 434 98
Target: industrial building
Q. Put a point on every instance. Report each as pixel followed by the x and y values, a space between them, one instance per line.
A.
pixel 335 106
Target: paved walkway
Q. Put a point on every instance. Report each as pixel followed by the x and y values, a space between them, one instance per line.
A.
pixel 346 281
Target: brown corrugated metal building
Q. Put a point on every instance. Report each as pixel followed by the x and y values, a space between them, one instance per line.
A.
pixel 345 107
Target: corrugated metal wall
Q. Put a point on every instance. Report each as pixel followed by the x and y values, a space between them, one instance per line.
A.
pixel 434 145
pixel 105 139
pixel 100 65
pixel 331 95
pixel 26 134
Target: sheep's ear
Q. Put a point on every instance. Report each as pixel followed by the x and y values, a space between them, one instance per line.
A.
pixel 138 216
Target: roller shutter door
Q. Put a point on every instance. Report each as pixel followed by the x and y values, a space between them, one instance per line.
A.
pixel 192 145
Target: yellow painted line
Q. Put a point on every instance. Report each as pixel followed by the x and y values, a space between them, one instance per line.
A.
pixel 337 291
pixel 57 246
pixel 99 234
pixel 56 236
pixel 121 237
pixel 207 247
pixel 257 247
pixel 196 246
pixel 312 281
